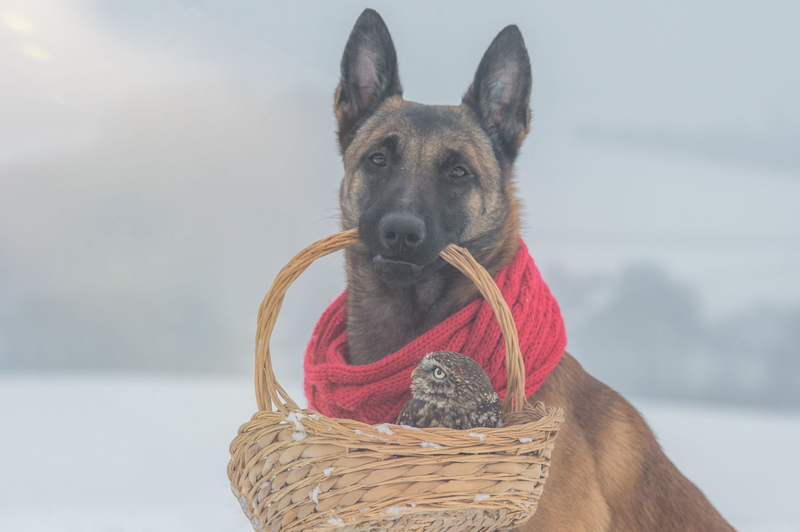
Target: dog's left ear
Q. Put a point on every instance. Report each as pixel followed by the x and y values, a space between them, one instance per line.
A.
pixel 501 91
pixel 369 74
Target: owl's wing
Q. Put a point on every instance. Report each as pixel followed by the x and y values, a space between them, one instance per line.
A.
pixel 413 413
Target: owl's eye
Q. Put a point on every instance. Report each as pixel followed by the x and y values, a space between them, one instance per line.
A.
pixel 439 373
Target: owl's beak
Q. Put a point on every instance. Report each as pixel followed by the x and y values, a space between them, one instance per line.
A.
pixel 414 373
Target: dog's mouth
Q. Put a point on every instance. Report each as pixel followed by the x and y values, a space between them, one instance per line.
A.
pixel 397 271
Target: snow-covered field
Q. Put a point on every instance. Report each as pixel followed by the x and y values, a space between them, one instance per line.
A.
pixel 147 454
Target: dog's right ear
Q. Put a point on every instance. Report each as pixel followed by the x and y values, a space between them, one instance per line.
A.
pixel 369 74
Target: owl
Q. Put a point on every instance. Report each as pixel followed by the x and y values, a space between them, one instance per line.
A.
pixel 450 390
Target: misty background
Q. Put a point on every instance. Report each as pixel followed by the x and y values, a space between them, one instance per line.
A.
pixel 161 160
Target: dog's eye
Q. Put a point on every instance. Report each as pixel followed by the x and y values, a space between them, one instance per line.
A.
pixel 438 373
pixel 378 159
pixel 458 172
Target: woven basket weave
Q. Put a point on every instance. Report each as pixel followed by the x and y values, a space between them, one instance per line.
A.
pixel 294 469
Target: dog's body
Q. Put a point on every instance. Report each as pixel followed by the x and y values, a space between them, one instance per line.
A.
pixel 418 177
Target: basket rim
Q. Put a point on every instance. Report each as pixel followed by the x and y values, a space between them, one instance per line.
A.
pixel 549 420
pixel 270 395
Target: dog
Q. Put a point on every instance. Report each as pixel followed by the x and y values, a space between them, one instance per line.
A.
pixel 418 177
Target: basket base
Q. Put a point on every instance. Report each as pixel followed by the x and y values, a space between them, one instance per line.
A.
pixel 419 520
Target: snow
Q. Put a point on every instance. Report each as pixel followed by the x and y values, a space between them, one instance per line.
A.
pixel 481 497
pixel 383 428
pixel 359 432
pixel 314 495
pixel 299 430
pixel 295 417
pixel 148 454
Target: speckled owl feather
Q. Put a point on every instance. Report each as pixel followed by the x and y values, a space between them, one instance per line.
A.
pixel 451 390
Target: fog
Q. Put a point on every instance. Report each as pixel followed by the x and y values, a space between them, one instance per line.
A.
pixel 161 160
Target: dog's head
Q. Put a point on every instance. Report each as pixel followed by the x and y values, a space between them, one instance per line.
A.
pixel 418 177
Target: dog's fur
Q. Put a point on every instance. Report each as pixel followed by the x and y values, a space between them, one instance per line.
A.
pixel 418 177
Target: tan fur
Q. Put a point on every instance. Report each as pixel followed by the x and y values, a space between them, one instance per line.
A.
pixel 608 471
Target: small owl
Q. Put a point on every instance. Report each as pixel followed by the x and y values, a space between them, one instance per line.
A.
pixel 451 390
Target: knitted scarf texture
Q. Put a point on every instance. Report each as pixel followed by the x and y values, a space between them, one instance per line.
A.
pixel 376 392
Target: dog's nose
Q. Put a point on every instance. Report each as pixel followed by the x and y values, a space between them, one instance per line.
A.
pixel 401 231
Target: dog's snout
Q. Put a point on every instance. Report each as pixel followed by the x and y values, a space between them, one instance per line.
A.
pixel 401 231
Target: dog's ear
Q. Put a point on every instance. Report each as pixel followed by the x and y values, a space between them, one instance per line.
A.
pixel 369 74
pixel 501 91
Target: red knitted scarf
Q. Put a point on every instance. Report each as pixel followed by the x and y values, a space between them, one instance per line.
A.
pixel 375 393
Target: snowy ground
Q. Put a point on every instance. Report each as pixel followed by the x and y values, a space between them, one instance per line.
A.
pixel 111 454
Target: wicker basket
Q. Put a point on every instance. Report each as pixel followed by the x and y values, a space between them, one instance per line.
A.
pixel 294 469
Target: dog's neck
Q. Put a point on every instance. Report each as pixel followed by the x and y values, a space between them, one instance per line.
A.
pixel 381 318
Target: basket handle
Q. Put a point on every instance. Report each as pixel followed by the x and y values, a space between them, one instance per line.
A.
pixel 269 393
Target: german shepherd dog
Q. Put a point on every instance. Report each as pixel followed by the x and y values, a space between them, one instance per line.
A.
pixel 418 177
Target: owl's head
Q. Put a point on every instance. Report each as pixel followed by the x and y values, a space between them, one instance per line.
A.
pixel 444 376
